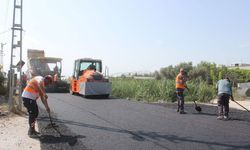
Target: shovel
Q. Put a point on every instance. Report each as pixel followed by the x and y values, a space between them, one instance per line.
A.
pixel 197 108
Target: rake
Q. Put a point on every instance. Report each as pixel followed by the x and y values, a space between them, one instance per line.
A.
pixel 241 106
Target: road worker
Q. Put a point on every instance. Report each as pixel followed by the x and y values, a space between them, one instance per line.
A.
pixel 35 89
pixel 180 87
pixel 55 69
pixel 55 77
pixel 23 80
pixel 91 67
pixel 224 88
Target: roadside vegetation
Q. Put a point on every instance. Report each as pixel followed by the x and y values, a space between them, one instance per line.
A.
pixel 3 88
pixel 202 80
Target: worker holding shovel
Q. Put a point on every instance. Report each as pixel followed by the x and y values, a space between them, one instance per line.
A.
pixel 35 89
pixel 224 94
pixel 180 87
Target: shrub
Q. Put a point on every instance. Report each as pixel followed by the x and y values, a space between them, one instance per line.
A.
pixel 3 89
pixel 154 90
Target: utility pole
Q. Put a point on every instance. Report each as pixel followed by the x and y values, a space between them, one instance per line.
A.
pixel 16 45
pixel 1 56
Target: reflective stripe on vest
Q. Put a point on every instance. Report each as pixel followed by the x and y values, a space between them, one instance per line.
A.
pixel 178 81
pixel 32 87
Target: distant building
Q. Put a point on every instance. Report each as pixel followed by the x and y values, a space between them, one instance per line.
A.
pixel 243 88
pixel 240 66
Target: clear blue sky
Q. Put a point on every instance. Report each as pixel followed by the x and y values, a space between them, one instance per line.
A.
pixel 134 35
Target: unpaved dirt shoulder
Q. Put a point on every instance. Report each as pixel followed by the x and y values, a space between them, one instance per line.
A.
pixel 13 134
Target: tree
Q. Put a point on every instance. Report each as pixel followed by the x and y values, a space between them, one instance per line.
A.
pixel 157 75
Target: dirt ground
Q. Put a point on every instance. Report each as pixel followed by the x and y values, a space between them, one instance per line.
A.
pixel 14 129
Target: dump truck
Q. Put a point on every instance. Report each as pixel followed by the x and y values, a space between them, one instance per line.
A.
pixel 88 80
pixel 38 64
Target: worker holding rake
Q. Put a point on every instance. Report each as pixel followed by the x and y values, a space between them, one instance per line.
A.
pixel 35 89
pixel 180 87
pixel 224 94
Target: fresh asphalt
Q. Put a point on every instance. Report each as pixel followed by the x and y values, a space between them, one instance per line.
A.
pixel 117 124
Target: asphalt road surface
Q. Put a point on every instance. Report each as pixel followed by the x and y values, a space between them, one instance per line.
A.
pixel 116 124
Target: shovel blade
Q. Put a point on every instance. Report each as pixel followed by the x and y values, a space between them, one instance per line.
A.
pixel 198 108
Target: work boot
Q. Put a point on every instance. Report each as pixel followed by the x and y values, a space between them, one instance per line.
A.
pixel 182 112
pixel 220 117
pixel 32 133
pixel 226 117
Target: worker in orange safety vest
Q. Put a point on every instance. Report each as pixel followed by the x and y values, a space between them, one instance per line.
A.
pixel 35 89
pixel 180 87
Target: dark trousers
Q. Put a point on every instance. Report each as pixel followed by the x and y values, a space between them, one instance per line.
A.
pixel 32 109
pixel 180 97
pixel 223 104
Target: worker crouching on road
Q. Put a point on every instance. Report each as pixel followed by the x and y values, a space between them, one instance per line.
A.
pixel 224 94
pixel 35 89
pixel 180 87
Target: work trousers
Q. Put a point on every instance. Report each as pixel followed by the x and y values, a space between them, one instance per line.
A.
pixel 223 104
pixel 32 109
pixel 180 97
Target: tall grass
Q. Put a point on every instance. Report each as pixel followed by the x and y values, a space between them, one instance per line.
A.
pixel 200 91
pixel 154 90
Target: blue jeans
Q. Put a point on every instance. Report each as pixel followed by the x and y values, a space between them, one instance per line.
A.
pixel 180 97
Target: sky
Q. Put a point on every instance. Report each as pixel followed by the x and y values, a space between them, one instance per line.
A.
pixel 133 35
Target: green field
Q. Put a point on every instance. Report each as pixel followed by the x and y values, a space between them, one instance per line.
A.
pixel 202 80
pixel 153 90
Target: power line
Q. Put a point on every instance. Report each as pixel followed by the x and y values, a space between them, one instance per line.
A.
pixel 5 20
pixel 3 32
pixel 6 14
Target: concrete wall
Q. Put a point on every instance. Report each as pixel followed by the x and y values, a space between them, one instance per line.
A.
pixel 244 89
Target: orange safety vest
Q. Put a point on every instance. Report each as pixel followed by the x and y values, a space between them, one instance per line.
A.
pixel 88 73
pixel 178 79
pixel 33 86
